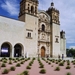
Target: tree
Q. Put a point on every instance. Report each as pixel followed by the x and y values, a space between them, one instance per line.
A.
pixel 70 52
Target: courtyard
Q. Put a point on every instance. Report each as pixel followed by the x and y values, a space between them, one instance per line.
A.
pixel 36 66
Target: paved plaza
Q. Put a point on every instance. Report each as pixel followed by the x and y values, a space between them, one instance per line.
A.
pixel 35 70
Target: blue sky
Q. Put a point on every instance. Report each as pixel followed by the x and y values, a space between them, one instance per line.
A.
pixel 10 8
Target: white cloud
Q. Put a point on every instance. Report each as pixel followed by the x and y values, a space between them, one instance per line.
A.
pixel 11 6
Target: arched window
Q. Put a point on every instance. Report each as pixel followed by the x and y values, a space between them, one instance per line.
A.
pixel 17 50
pixel 35 10
pixel 43 27
pixel 28 8
pixel 5 49
pixel 32 9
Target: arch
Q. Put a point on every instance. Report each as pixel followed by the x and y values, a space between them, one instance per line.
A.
pixel 28 8
pixel 35 10
pixel 43 27
pixel 6 48
pixel 18 50
pixel 42 51
pixel 44 12
pixel 32 9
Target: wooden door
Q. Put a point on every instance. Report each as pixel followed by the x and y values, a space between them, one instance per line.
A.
pixel 42 52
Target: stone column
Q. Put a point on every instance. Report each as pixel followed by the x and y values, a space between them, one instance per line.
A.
pixel 12 52
pixel 0 51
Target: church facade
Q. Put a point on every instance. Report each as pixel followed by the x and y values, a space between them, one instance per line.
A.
pixel 35 34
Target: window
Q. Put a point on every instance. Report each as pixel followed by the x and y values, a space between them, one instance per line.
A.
pixel 35 10
pixel 43 27
pixel 29 34
pixel 28 7
pixel 56 40
pixel 32 9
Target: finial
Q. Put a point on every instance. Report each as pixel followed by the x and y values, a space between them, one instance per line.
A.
pixel 52 4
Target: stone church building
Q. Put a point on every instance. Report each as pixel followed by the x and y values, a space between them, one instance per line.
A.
pixel 36 33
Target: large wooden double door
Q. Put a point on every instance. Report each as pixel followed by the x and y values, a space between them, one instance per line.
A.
pixel 42 51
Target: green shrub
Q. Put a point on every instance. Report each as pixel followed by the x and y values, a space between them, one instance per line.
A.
pixel 22 62
pixel 18 65
pixel 68 73
pixel 3 65
pixel 68 63
pixel 5 71
pixel 63 60
pixel 61 64
pixel 10 62
pixel 47 58
pixel 56 62
pixel 73 63
pixel 50 59
pixel 15 61
pixel 22 58
pixel 28 67
pixel 49 63
pixel 29 58
pixel 46 61
pixel 33 59
pixel 57 68
pixel 30 64
pixel 4 61
pixel 38 59
pixel 12 68
pixel 10 58
pixel 59 60
pixel 43 71
pixel 4 58
pixel 41 66
pixel 26 59
pixel 25 73
pixel 40 63
pixel 53 60
pixel 17 58
pixel 68 67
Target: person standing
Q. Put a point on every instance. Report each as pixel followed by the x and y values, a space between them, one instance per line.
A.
pixel 59 57
pixel 62 56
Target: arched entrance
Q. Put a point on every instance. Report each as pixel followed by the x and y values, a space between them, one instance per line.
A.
pixel 42 51
pixel 5 50
pixel 17 50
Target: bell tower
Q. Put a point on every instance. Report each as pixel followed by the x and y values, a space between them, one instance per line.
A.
pixel 54 14
pixel 55 30
pixel 28 7
pixel 28 14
